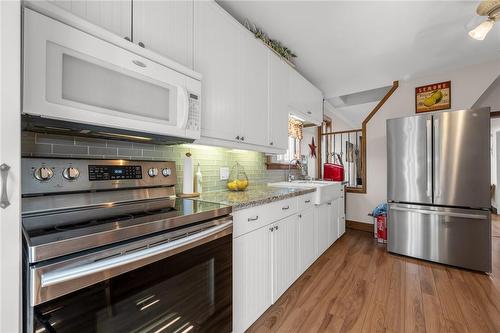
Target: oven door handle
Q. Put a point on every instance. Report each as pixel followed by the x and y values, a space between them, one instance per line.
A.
pixel 51 284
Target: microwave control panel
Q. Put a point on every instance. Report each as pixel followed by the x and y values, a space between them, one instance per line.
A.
pixel 194 117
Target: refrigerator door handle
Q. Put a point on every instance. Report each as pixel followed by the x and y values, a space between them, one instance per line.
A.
pixel 440 213
pixel 437 156
pixel 429 158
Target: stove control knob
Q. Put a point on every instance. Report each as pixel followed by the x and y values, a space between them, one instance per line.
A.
pixel 153 172
pixel 166 172
pixel 43 174
pixel 71 173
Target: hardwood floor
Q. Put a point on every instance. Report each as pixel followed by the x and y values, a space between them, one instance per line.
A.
pixel 356 286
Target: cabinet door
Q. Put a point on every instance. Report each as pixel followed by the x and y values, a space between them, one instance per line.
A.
pixel 251 277
pixel 307 249
pixel 217 59
pixel 323 229
pixel 166 27
pixel 285 247
pixel 253 82
pixel 333 221
pixel 115 16
pixel 297 91
pixel 278 105
pixel 341 216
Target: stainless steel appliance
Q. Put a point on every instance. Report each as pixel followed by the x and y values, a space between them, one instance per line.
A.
pixel 438 187
pixel 109 248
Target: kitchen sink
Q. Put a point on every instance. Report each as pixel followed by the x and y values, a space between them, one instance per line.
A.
pixel 326 191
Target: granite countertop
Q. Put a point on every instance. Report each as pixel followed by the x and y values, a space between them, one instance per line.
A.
pixel 254 195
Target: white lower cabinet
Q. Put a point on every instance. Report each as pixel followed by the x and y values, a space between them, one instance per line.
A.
pixel 284 240
pixel 307 246
pixel 323 228
pixel 252 293
pixel 273 245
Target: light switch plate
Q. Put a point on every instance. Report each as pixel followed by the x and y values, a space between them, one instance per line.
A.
pixel 224 173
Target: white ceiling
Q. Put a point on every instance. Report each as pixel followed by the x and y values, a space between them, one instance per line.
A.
pixel 345 47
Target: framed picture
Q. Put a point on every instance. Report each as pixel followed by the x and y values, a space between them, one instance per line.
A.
pixel 433 97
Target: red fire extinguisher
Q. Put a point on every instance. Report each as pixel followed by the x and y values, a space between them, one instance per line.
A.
pixel 334 171
pixel 381 229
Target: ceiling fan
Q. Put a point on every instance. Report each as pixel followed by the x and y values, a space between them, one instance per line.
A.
pixel 490 9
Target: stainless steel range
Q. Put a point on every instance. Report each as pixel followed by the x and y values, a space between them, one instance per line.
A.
pixel 109 248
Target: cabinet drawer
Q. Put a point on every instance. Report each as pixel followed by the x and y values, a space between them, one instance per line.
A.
pixel 246 220
pixel 304 201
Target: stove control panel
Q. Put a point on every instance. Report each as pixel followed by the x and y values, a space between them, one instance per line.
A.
pixel 49 175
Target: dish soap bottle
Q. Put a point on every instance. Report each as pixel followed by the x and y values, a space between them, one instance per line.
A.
pixel 198 180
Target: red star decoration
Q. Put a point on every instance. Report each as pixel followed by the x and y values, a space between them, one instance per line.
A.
pixel 312 147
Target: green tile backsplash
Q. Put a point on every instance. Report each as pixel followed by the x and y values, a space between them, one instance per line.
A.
pixel 210 158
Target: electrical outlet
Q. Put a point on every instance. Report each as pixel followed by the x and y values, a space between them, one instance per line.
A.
pixel 224 173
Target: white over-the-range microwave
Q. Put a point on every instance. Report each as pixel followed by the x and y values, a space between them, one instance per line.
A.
pixel 72 76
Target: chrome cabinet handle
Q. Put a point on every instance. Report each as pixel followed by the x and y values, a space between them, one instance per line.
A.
pixel 276 228
pixel 300 216
pixel 271 143
pixel 253 218
pixel 329 204
pixel 309 112
pixel 141 44
pixel 271 229
pixel 307 201
pixel 237 137
pixel 285 208
pixel 242 138
pixel 4 199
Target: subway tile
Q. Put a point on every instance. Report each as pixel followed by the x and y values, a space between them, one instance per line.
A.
pixel 137 145
pixel 130 152
pixel 118 144
pixel 70 150
pixel 91 142
pixel 55 139
pixel 36 148
pixel 152 153
pixel 103 151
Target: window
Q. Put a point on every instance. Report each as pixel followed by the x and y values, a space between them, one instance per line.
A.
pixel 294 137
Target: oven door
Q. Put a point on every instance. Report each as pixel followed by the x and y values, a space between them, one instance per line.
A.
pixel 73 76
pixel 182 285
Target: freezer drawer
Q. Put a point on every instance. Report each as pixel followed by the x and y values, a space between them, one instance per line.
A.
pixel 458 237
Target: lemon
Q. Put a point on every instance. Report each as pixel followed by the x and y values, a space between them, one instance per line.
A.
pixel 429 101
pixel 242 184
pixel 232 186
pixel 437 95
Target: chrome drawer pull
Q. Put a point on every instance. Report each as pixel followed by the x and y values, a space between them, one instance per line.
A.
pixel 285 208
pixel 307 201
pixel 4 198
pixel 253 218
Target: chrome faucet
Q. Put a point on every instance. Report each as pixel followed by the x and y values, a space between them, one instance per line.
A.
pixel 297 162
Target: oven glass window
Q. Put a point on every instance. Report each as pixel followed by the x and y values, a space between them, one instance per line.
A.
pixel 189 292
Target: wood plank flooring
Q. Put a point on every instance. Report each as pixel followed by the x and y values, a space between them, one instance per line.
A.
pixel 356 286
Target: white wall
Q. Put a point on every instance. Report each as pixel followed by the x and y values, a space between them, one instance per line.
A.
pixel 355 114
pixel 467 86
pixel 339 123
pixel 491 97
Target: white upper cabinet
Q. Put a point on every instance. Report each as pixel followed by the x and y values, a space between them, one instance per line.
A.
pixel 217 59
pixel 278 102
pixel 304 99
pixel 114 16
pixel 165 27
pixel 253 82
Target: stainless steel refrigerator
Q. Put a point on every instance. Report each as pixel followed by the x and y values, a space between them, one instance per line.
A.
pixel 438 187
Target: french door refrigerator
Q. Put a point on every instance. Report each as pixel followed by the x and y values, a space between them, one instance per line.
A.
pixel 438 187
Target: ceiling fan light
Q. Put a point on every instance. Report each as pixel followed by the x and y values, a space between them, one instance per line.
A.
pixel 482 30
